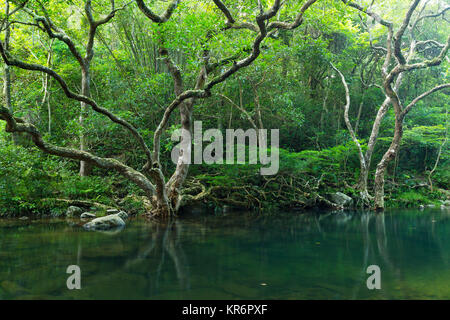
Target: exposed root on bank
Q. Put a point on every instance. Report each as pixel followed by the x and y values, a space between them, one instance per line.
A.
pixel 286 191
pixel 80 203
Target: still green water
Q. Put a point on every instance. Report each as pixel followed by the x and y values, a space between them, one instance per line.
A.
pixel 236 256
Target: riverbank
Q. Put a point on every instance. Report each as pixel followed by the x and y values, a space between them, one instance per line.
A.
pixel 234 199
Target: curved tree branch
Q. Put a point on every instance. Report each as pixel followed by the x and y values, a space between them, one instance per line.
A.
pixel 346 118
pixel 153 16
pixel 35 67
pixel 423 95
pixel 17 125
pixel 399 35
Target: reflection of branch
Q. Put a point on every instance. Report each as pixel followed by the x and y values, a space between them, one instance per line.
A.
pixel 144 254
pixel 365 221
pixel 382 243
pixel 172 246
pixel 166 237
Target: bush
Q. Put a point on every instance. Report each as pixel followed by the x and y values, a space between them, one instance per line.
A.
pixel 26 176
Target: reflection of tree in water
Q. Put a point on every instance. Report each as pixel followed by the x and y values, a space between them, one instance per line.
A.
pixel 165 238
pixel 370 256
pixel 383 241
pixel 385 245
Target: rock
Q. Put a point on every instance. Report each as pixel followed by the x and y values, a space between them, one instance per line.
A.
pixel 112 211
pixel 105 223
pixel 74 211
pixel 123 215
pixel 341 199
pixel 23 218
pixel 87 215
pixel 446 203
pixel 421 207
pixel 431 206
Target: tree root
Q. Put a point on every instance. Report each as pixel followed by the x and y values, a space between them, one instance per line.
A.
pixel 80 203
pixel 283 190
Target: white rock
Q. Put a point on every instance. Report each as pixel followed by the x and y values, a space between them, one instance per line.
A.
pixel 341 199
pixel 73 211
pixel 87 215
pixel 105 223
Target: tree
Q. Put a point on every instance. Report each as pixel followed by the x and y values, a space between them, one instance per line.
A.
pixel 165 195
pixel 392 79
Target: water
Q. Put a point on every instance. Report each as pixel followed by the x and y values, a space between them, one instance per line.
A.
pixel 238 256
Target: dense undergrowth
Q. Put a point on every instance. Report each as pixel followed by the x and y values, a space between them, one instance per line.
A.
pixel 34 183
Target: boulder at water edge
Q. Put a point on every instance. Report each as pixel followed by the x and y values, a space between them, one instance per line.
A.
pixel 105 223
pixel 88 215
pixel 341 199
pixel 123 215
pixel 73 211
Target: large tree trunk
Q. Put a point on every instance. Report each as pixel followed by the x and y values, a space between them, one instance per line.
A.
pixel 363 178
pixel 364 171
pixel 362 182
pixel 46 81
pixel 85 168
pixel 383 164
pixel 7 70
pixel 364 174
pixel 176 182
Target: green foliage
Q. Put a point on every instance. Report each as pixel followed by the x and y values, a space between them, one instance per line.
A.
pixel 26 176
pixel 291 83
pixel 413 199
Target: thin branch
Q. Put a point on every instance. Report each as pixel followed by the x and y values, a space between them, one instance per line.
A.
pixel 59 34
pixel 346 118
pixel 399 35
pixel 298 20
pixel 433 15
pixel 423 95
